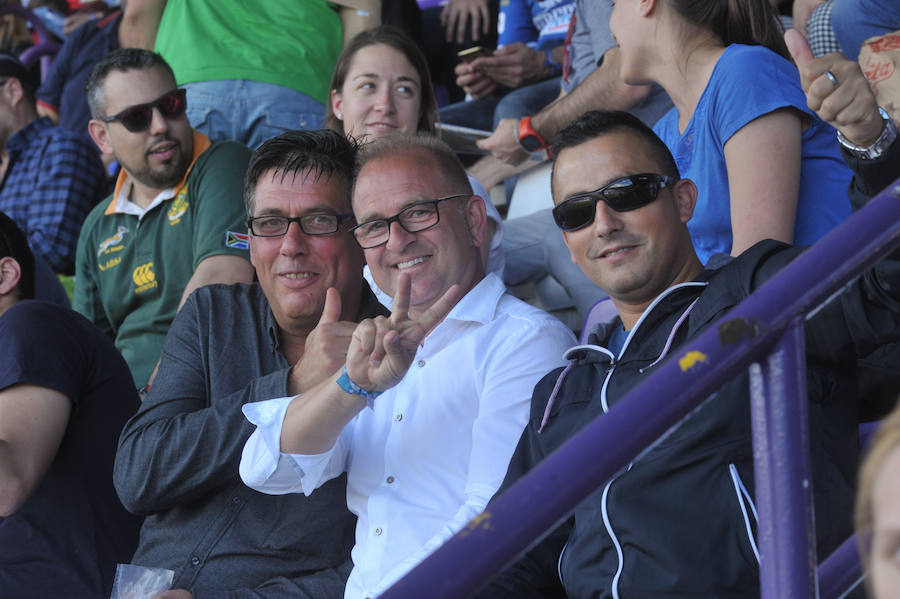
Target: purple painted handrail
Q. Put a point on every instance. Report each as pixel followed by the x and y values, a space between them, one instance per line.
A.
pixel 549 493
pixel 47 46
pixel 43 33
pixel 841 571
pixel 781 469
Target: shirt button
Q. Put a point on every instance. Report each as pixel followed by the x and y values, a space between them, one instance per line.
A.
pixel 377 532
pixel 420 363
pixel 195 560
pixel 390 480
pixel 236 499
pixel 398 417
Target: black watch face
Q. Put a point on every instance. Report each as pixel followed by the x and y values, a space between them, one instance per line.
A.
pixel 530 142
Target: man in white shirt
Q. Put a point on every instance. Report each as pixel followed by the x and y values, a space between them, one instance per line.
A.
pixel 429 407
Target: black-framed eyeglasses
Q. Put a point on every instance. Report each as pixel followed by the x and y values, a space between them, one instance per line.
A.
pixel 414 218
pixel 311 224
pixel 138 117
pixel 628 193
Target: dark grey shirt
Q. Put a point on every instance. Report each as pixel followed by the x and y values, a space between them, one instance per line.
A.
pixel 178 463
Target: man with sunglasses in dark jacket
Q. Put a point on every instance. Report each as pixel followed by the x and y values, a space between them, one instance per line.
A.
pixel 680 520
pixel 175 221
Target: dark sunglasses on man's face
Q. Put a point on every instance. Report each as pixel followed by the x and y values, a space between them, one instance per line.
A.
pixel 138 117
pixel 628 193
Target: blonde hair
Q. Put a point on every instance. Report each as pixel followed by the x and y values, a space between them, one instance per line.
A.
pixel 887 439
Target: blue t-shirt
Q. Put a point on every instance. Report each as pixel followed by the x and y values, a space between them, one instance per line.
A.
pixel 748 82
pixel 539 23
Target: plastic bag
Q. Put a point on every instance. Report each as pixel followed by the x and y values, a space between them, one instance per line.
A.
pixel 139 582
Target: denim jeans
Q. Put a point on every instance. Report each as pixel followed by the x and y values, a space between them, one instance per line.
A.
pixel 485 113
pixel 855 21
pixel 249 111
pixel 533 248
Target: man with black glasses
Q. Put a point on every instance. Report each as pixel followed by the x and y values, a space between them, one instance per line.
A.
pixel 230 344
pixel 679 521
pixel 427 408
pixel 174 222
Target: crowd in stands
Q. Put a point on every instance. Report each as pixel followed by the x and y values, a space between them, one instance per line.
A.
pixel 293 365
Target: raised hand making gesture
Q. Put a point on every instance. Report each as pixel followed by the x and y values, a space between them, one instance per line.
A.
pixel 837 90
pixel 383 348
pixel 325 349
pixel 381 351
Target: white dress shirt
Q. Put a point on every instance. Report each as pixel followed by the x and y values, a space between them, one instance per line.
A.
pixel 434 448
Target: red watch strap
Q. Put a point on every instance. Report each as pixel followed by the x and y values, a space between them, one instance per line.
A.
pixel 525 129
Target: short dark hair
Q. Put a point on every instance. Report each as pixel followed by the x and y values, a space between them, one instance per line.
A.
pixel 12 68
pixel 421 143
pixel 13 243
pixel 322 153
pixel 386 35
pixel 597 123
pixel 122 60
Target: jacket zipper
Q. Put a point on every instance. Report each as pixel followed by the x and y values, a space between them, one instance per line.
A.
pixel 603 505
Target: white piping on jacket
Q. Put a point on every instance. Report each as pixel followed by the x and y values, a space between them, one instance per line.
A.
pixel 603 402
pixel 741 491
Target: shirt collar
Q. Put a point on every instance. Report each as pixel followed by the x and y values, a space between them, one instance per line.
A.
pixel 120 203
pixel 24 136
pixel 480 303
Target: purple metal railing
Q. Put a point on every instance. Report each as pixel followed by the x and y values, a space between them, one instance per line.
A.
pixel 47 46
pixel 841 571
pixel 766 321
pixel 781 469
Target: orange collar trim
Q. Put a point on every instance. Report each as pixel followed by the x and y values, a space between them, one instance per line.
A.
pixel 201 144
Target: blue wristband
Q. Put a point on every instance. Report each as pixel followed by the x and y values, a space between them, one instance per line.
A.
pixel 349 386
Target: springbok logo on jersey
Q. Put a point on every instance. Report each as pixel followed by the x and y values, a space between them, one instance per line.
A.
pixel 114 243
pixel 178 208
pixel 144 278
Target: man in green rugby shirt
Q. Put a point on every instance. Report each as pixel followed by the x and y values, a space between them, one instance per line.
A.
pixel 175 220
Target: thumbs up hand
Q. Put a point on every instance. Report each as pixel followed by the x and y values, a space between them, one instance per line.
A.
pixel 837 90
pixel 326 347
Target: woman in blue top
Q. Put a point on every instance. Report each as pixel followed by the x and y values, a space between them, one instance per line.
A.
pixel 765 165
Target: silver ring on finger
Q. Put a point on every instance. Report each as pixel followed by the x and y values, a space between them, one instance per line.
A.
pixel 832 78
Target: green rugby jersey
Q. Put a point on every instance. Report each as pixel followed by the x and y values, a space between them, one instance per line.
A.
pixel 131 271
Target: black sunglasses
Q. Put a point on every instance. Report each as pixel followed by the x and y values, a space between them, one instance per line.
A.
pixel 138 117
pixel 628 193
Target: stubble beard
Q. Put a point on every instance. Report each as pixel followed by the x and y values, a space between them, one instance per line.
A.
pixel 167 175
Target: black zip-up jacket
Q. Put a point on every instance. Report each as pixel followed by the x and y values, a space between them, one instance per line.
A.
pixel 678 522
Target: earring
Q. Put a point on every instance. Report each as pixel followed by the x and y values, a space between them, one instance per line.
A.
pixel 340 116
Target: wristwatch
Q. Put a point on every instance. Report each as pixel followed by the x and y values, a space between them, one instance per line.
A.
pixel 884 141
pixel 530 140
